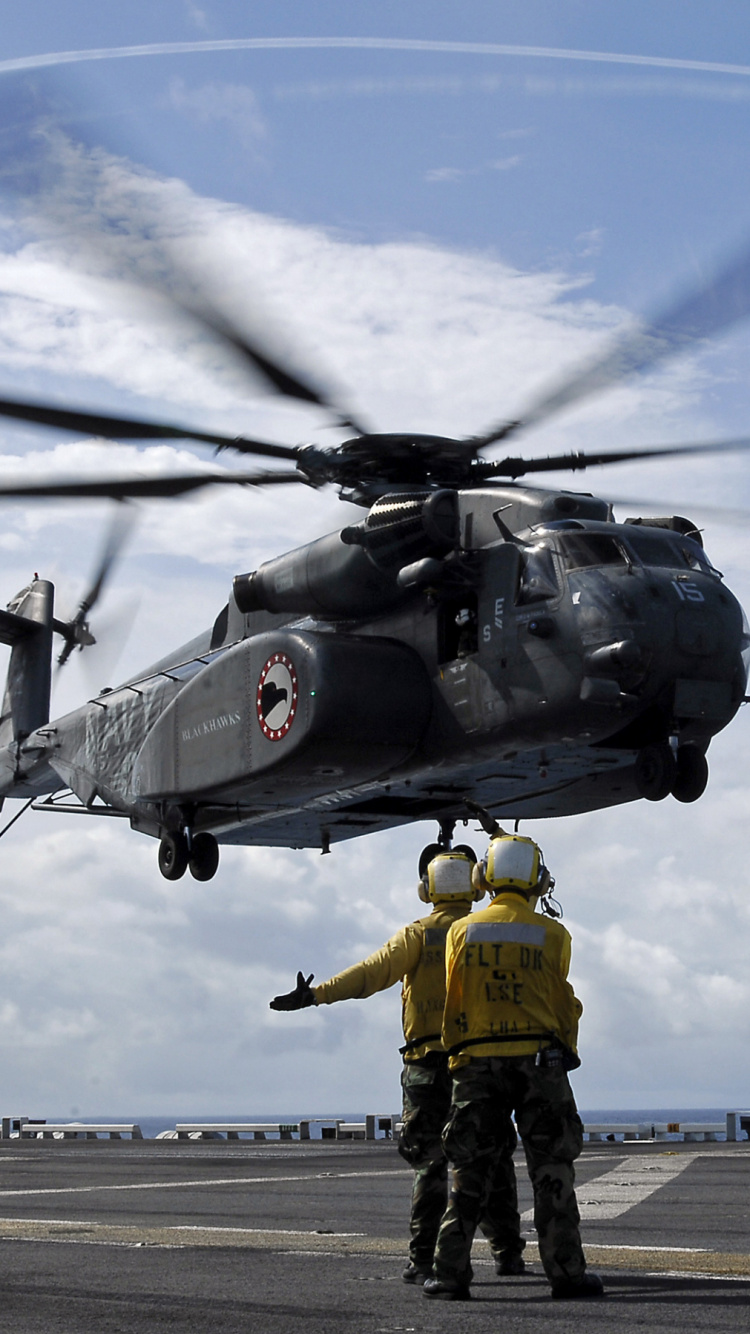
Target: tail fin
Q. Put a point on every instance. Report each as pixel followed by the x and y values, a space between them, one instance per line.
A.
pixel 27 627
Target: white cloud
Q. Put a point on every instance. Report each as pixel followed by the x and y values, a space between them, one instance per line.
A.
pixel 439 174
pixel 235 104
pixel 590 243
pixel 119 990
pixel 196 16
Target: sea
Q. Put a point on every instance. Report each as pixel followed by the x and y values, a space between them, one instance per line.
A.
pixel 151 1126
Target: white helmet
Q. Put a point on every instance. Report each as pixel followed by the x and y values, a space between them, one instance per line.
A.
pixel 447 878
pixel 514 862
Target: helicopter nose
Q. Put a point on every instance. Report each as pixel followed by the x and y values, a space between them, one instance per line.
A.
pixel 697 633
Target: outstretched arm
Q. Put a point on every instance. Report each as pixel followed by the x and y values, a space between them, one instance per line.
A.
pixel 377 972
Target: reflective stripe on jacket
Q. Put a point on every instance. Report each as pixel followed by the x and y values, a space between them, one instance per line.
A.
pixel 416 957
pixel 507 970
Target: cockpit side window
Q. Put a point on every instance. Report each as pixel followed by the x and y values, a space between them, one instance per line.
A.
pixel 583 549
pixel 538 581
pixel 696 558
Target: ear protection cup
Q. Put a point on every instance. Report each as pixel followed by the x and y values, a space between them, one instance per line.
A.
pixel 545 882
pixel 426 856
pixel 423 890
pixel 478 882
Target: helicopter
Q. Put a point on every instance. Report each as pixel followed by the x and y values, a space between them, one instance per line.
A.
pixel 474 644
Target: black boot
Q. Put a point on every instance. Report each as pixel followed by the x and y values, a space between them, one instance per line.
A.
pixel 416 1273
pixel 447 1290
pixel 588 1285
pixel 509 1263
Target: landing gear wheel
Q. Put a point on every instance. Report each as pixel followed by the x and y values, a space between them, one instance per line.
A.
pixel 466 851
pixel 204 857
pixel 173 856
pixel 655 771
pixel 427 854
pixel 692 774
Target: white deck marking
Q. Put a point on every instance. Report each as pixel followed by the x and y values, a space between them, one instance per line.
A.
pixel 627 1184
pixel 673 1261
pixel 206 1181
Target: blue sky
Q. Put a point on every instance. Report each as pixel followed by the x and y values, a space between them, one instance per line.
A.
pixel 442 232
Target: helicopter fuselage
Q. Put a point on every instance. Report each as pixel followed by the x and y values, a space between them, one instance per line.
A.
pixel 508 646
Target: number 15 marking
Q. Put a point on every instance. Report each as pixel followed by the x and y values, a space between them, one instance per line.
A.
pixel 687 591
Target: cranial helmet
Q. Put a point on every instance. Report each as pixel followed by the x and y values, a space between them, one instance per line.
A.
pixel 514 862
pixel 447 878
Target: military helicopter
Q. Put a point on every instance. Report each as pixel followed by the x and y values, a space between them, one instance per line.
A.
pixel 475 643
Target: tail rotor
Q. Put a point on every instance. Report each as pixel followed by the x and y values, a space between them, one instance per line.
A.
pixel 76 632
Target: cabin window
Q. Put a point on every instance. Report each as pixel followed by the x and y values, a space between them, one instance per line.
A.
pixel 583 549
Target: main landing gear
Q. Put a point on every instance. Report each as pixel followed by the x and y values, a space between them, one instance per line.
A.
pixel 444 844
pixel 178 852
pixel 659 771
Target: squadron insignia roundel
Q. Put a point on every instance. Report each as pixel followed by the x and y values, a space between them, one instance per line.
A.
pixel 276 698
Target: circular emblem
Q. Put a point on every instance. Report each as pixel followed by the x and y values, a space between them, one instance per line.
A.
pixel 276 698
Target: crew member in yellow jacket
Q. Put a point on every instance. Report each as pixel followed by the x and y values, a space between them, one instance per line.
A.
pixel 510 1027
pixel 415 956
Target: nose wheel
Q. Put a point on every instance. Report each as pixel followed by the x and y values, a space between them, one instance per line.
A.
pixel 692 774
pixel 658 772
pixel 200 855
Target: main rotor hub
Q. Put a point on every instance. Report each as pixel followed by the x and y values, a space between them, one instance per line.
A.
pixel 368 466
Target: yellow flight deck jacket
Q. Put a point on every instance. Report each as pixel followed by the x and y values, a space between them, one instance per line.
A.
pixel 416 957
pixel 507 969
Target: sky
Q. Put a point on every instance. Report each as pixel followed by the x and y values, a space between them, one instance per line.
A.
pixel 439 217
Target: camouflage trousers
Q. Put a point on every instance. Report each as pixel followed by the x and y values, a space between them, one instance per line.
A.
pixel 485 1092
pixel 427 1086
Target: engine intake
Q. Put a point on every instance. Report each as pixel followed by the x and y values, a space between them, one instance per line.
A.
pixel 406 527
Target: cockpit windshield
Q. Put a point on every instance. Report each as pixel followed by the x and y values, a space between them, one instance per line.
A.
pixel 669 551
pixel 584 548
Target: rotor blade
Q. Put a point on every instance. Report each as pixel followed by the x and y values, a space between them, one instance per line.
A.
pixel 55 167
pixel 131 428
pixel 518 467
pixel 76 631
pixel 117 534
pixel 123 488
pixel 721 300
pixel 279 377
pixel 113 629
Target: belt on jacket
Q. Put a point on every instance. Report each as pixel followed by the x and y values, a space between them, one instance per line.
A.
pixel 504 1037
pixel 419 1042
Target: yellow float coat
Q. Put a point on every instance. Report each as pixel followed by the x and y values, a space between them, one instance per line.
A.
pixel 507 970
pixel 415 956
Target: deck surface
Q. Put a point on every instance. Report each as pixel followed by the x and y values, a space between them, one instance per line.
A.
pixel 281 1238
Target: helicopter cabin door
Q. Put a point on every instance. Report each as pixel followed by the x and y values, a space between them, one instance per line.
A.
pixel 478 641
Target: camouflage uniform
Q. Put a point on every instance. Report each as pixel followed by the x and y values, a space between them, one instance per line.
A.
pixel 415 956
pixel 486 1091
pixel 427 1086
pixel 509 1004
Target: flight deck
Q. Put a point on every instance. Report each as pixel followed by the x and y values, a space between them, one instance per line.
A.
pixel 310 1237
